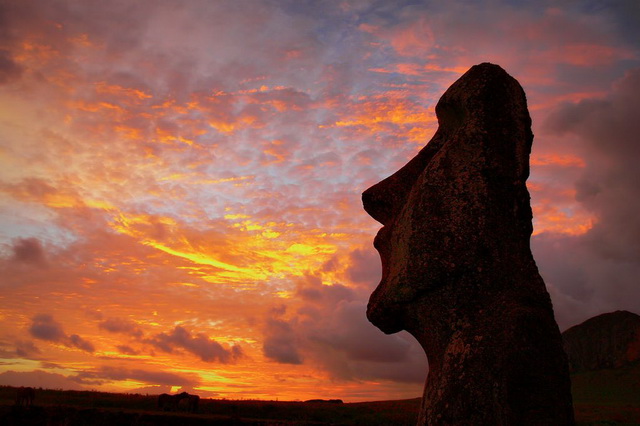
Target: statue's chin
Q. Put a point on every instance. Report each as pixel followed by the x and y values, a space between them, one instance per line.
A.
pixel 386 319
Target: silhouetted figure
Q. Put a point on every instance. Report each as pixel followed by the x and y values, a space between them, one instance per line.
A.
pixel 325 401
pixel 25 397
pixel 457 268
pixel 193 400
pixel 168 402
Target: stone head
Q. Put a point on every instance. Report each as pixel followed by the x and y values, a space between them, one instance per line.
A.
pixel 460 208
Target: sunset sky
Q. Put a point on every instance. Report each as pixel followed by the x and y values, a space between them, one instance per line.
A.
pixel 180 181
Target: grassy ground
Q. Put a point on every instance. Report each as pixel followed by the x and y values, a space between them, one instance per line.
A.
pixel 609 397
pixel 96 408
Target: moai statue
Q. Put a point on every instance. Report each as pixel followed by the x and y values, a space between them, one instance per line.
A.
pixel 457 268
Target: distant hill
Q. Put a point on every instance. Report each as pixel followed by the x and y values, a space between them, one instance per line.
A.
pixel 607 341
pixel 604 358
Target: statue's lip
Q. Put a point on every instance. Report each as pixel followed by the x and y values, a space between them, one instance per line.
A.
pixel 378 236
pixel 381 244
pixel 378 306
pixel 381 238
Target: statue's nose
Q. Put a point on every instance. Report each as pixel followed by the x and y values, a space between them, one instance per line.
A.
pixel 384 200
pixel 378 202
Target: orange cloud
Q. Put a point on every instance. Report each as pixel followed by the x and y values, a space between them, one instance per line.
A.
pixel 549 218
pixel 374 115
pixel 557 160
pixel 116 90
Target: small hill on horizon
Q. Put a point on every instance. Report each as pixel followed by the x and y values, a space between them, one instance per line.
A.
pixel 607 341
pixel 604 360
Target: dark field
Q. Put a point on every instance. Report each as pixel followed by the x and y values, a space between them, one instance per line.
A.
pixel 69 408
pixel 608 397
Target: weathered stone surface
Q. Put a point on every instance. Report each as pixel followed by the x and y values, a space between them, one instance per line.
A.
pixel 457 269
pixel 606 341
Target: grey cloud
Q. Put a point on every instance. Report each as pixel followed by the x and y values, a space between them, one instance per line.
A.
pixel 582 283
pixel 335 334
pixel 597 271
pixel 311 289
pixel 80 343
pixel 351 348
pixel 330 329
pixel 127 350
pixel 119 325
pixel 365 267
pixel 280 341
pixel 9 69
pixel 609 187
pixel 309 311
pixel 560 260
pixel 28 250
pixel 200 345
pixel 45 327
pixel 50 365
pixel 325 293
pixel 625 13
pixel 26 349
pixel 350 332
pixel 309 293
